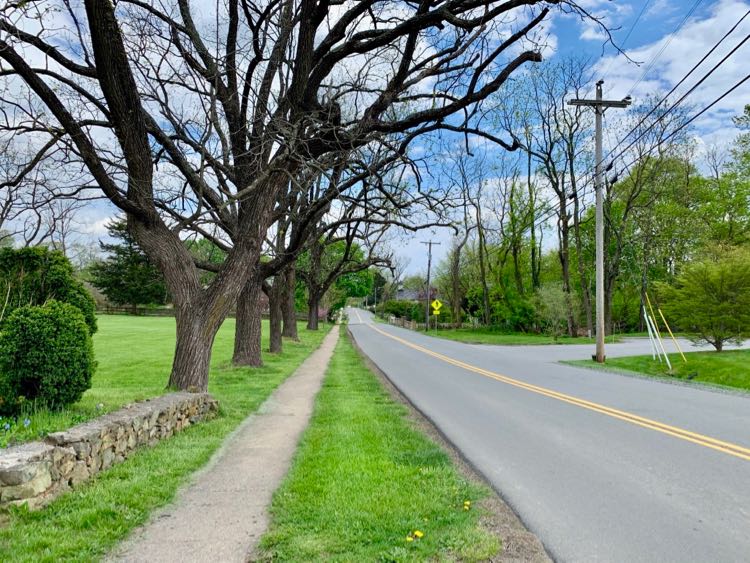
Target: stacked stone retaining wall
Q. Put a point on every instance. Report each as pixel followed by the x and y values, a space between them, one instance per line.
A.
pixel 37 472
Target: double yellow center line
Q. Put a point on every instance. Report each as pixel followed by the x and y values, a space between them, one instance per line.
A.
pixel 706 441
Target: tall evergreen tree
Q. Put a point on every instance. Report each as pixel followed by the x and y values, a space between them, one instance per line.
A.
pixel 126 276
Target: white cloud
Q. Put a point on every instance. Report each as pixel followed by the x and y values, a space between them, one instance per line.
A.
pixel 611 14
pixel 660 8
pixel 681 52
pixel 592 32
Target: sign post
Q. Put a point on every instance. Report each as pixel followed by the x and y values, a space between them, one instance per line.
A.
pixel 436 305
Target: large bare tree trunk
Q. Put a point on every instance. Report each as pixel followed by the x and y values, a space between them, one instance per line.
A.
pixel 199 312
pixel 247 348
pixel 275 296
pixel 195 338
pixel 288 302
pixel 313 302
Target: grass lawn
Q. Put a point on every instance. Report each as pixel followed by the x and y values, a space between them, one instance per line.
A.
pixel 730 368
pixel 365 479
pixel 488 336
pixel 134 355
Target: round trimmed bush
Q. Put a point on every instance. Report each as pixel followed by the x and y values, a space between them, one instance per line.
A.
pixel 46 356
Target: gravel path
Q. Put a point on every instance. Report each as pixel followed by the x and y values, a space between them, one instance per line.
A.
pixel 222 514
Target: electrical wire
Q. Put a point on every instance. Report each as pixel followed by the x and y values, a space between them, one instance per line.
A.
pixel 556 207
pixel 590 172
pixel 625 41
pixel 689 121
pixel 692 89
pixel 659 53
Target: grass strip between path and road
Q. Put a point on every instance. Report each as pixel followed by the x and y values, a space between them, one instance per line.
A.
pixel 730 368
pixel 367 485
pixel 85 523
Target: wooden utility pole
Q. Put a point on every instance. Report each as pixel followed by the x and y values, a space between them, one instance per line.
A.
pixel 599 105
pixel 429 244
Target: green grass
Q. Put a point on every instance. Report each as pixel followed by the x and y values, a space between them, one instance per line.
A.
pixel 135 357
pixel 364 478
pixel 730 368
pixel 489 336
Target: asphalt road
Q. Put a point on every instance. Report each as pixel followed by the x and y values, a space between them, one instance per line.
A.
pixel 602 467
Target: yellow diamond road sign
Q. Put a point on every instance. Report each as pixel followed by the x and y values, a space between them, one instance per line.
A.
pixel 436 306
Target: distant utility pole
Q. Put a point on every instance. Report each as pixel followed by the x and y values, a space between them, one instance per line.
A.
pixel 429 244
pixel 599 106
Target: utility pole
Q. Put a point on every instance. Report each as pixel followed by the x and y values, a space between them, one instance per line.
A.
pixel 429 244
pixel 599 105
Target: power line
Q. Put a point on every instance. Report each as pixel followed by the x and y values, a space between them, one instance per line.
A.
pixel 659 53
pixel 637 19
pixel 430 244
pixel 689 121
pixel 674 105
pixel 689 73
pixel 624 41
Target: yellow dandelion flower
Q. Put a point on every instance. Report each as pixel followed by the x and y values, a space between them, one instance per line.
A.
pixel 409 538
pixel 418 534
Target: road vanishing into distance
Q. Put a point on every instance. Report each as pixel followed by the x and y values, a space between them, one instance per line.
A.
pixel 601 466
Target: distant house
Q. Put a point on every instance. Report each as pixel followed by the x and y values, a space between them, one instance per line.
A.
pixel 404 294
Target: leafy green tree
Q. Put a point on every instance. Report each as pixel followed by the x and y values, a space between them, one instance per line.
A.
pixel 377 290
pixel 6 239
pixel 710 298
pixel 126 276
pixel 34 275
pixel 356 284
pixel 339 268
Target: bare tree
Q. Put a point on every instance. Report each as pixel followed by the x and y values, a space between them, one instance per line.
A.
pixel 184 121
pixel 554 137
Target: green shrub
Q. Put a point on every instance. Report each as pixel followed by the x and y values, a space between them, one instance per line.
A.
pixel 397 308
pixel 710 298
pixel 31 276
pixel 552 307
pixel 46 356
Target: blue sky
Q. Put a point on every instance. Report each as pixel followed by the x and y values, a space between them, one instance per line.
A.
pixel 710 20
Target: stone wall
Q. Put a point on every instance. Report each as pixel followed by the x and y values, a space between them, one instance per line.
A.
pixel 37 472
